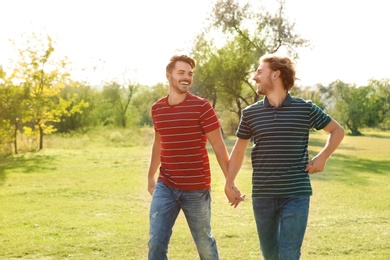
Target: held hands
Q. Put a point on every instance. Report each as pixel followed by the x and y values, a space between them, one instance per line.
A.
pixel 234 195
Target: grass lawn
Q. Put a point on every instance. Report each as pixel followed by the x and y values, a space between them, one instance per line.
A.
pixel 86 198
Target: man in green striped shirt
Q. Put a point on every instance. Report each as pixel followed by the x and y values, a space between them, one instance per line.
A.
pixel 279 126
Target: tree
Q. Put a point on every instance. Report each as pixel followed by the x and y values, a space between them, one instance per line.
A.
pixel 7 115
pixel 118 98
pixel 144 100
pixel 378 102
pixel 42 79
pixel 350 105
pixel 11 110
pixel 205 82
pixel 224 76
pixel 226 72
pixel 80 98
pixel 309 93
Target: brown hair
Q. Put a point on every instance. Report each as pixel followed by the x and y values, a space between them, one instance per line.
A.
pixel 286 67
pixel 176 58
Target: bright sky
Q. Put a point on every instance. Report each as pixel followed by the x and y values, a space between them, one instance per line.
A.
pixel 136 38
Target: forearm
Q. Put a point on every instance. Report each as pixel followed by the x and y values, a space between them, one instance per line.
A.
pixel 236 159
pixel 153 167
pixel 216 140
pixel 222 157
pixel 155 157
pixel 233 169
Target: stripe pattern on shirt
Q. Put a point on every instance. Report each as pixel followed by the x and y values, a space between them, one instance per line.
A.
pixel 182 129
pixel 280 145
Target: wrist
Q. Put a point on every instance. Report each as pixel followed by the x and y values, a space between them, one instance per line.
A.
pixel 229 184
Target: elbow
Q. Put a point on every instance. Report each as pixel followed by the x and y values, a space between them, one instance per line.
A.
pixel 342 132
pixel 339 133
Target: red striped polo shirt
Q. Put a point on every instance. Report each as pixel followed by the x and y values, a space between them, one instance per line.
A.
pixel 182 129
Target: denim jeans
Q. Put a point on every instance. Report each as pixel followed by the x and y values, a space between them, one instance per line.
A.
pixel 165 207
pixel 281 225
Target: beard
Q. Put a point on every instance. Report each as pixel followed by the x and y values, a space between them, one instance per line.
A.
pixel 180 89
pixel 265 87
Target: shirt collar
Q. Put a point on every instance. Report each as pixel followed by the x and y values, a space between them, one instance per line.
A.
pixel 286 101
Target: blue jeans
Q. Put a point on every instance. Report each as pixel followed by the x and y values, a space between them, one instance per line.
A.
pixel 165 207
pixel 281 225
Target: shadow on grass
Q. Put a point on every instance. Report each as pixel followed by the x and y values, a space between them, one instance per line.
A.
pixel 320 143
pixel 380 136
pixel 351 170
pixel 25 163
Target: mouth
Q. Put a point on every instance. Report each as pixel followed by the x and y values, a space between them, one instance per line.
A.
pixel 184 83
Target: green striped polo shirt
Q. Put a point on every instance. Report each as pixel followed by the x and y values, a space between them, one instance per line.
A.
pixel 280 145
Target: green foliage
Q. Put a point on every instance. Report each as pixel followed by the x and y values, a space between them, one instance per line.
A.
pixel 378 103
pixel 6 132
pixel 116 101
pixel 358 107
pixel 308 93
pixel 143 101
pixel 12 110
pixel 78 114
pixel 42 79
pixel 224 73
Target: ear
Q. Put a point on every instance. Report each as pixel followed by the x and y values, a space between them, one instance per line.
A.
pixel 168 75
pixel 276 74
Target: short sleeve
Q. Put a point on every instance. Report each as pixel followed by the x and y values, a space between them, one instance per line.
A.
pixel 318 118
pixel 244 131
pixel 208 118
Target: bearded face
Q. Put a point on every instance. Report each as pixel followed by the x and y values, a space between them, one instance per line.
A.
pixel 263 79
pixel 180 79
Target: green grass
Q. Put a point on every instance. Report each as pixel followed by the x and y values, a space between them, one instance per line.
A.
pixel 86 198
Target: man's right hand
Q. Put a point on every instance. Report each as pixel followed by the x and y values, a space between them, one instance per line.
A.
pixel 151 185
pixel 234 195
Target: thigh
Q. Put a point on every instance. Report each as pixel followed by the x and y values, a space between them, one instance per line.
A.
pixel 164 210
pixel 294 215
pixel 266 215
pixel 267 223
pixel 196 206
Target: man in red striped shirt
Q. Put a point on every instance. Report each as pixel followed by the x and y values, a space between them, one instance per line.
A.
pixel 183 124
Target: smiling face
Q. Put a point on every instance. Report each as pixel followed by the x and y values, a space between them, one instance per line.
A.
pixel 180 78
pixel 263 78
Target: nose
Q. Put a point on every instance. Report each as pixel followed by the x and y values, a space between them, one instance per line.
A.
pixel 187 77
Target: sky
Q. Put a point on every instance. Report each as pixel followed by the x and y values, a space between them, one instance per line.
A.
pixel 133 40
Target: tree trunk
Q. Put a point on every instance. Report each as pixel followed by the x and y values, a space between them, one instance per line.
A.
pixel 40 138
pixel 123 119
pixel 354 130
pixel 239 109
pixel 15 138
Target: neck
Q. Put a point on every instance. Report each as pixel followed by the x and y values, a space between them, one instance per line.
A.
pixel 276 98
pixel 175 98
